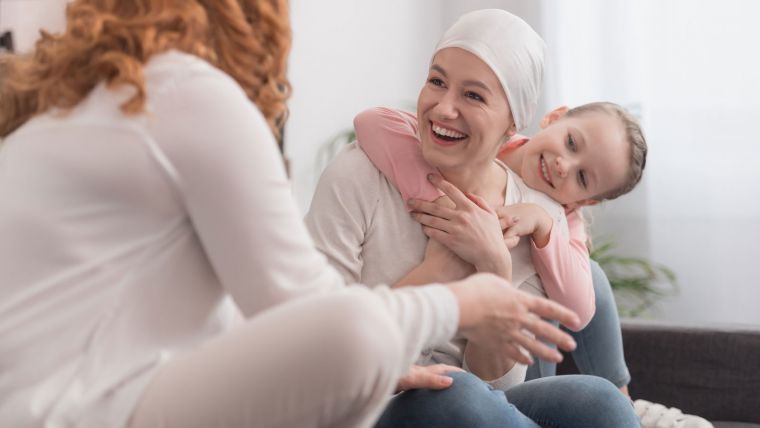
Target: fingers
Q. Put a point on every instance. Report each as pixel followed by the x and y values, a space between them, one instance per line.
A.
pixel 429 377
pixel 550 333
pixel 442 369
pixel 545 308
pixel 431 208
pixel 538 348
pixel 479 202
pixel 436 234
pixel 508 221
pixel 449 189
pixel 511 242
pixel 516 353
pixel 432 221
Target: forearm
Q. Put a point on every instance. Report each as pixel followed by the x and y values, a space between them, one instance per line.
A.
pixel 544 226
pixel 563 266
pixel 428 272
pixel 486 363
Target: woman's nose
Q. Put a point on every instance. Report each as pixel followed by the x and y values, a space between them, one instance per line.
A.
pixel 446 107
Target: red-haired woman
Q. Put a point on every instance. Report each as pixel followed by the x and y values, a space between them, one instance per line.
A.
pixel 154 270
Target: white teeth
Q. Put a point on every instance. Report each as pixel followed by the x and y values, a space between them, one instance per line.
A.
pixel 447 132
pixel 544 171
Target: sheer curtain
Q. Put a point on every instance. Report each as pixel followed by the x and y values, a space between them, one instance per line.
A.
pixel 689 69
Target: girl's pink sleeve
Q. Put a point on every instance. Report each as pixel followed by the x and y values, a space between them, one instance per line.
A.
pixel 389 138
pixel 563 266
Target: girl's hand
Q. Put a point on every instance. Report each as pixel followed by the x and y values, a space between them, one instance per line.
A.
pixel 427 377
pixel 470 229
pixel 496 315
pixel 520 220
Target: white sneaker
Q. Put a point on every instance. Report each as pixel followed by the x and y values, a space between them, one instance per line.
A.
pixel 653 415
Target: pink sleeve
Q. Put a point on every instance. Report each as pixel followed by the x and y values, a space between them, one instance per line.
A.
pixel 389 138
pixel 564 269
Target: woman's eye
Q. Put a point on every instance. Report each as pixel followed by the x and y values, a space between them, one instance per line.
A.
pixel 436 81
pixel 475 96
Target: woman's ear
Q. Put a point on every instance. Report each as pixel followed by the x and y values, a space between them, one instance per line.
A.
pixel 553 115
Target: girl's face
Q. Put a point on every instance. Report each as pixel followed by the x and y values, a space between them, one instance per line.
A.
pixel 576 159
pixel 463 112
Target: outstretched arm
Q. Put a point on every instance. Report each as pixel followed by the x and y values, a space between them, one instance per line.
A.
pixel 389 138
pixel 563 265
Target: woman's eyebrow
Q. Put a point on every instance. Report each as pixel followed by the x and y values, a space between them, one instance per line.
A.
pixel 439 69
pixel 477 83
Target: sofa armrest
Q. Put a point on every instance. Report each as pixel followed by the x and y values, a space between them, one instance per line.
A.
pixel 712 371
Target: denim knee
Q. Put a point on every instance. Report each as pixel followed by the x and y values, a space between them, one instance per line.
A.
pixel 468 402
pixel 574 401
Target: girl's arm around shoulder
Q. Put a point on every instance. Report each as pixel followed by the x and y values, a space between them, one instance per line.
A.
pixel 389 138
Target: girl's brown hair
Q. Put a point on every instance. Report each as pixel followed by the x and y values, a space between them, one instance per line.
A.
pixel 110 41
pixel 634 136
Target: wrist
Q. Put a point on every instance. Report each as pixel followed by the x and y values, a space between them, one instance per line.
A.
pixel 499 265
pixel 543 231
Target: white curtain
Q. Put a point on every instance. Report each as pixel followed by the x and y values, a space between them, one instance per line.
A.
pixel 689 69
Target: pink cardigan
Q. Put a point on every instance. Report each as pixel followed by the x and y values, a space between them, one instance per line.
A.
pixel 390 140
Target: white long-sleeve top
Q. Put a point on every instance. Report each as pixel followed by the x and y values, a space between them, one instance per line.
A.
pixel 125 240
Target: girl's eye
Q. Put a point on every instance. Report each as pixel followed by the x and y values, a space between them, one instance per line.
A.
pixel 571 142
pixel 436 81
pixel 474 95
pixel 582 178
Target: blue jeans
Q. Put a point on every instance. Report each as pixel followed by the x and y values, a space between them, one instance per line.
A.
pixel 559 401
pixel 600 344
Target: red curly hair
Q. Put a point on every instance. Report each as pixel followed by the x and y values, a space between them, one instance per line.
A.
pixel 111 40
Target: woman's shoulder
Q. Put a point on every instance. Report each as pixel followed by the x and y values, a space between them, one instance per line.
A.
pixel 185 92
pixel 174 66
pixel 352 166
pixel 192 81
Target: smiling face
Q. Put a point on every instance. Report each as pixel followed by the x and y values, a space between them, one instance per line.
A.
pixel 463 112
pixel 577 158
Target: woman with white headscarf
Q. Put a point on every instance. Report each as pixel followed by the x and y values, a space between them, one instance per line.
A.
pixel 483 85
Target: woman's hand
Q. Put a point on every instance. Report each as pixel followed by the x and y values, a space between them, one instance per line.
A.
pixel 471 229
pixel 494 314
pixel 427 377
pixel 519 220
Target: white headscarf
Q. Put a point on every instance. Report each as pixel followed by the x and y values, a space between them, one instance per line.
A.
pixel 510 47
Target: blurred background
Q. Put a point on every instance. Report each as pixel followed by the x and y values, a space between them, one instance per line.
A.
pixel 685 67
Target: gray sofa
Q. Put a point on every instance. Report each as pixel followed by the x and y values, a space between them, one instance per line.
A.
pixel 712 371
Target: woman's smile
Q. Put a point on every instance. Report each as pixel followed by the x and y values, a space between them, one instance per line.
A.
pixel 445 136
